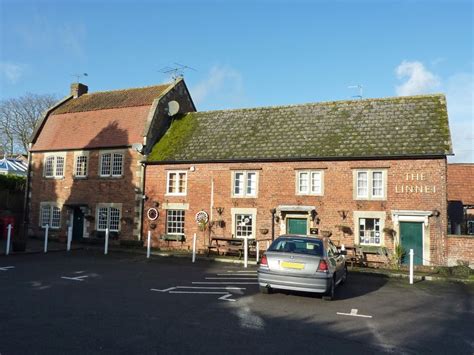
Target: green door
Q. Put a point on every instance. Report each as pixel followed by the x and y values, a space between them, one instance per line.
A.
pixel 411 237
pixel 77 224
pixel 297 226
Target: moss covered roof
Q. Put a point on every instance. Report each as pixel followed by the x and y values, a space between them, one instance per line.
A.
pixel 398 126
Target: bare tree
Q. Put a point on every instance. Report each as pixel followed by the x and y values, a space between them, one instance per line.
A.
pixel 18 118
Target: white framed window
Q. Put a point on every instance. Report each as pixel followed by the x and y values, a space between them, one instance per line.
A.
pixel 369 231
pixel 176 183
pixel 50 214
pixel 309 182
pixel 470 227
pixel 111 164
pixel 175 222
pixel 244 183
pixel 81 164
pixel 108 216
pixel 244 222
pixel 54 165
pixel 370 184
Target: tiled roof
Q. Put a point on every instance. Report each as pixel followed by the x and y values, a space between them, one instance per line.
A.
pixel 461 183
pixel 112 99
pixel 399 126
pixel 102 119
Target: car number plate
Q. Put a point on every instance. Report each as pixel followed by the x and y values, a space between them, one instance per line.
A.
pixel 288 265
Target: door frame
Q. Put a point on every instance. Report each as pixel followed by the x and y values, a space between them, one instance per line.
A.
pixel 415 216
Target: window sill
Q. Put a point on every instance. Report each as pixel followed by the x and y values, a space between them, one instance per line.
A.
pixel 168 194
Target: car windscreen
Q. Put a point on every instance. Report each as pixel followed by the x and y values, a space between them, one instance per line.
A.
pixel 298 246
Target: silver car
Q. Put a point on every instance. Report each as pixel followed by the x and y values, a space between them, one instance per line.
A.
pixel 302 263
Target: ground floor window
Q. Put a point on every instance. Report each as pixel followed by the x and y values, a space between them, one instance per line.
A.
pixel 243 225
pixel 108 217
pixel 369 231
pixel 470 227
pixel 50 214
pixel 175 222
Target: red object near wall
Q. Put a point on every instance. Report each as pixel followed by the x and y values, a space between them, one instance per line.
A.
pixel 4 222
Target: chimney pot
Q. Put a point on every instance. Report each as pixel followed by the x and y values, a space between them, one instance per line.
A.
pixel 78 89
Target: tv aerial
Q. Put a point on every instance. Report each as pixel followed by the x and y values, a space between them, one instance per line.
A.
pixel 359 87
pixel 78 76
pixel 177 71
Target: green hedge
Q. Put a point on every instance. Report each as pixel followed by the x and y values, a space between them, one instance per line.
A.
pixel 12 183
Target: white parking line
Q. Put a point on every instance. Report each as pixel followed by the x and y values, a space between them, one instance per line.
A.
pixel 354 314
pixel 198 288
pixel 77 278
pixel 6 268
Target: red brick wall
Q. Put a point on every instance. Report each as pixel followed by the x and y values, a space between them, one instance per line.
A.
pixel 276 186
pixel 460 248
pixel 460 183
pixel 90 191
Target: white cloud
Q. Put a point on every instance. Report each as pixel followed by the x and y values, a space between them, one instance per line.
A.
pixel 418 80
pixel 223 86
pixel 11 71
pixel 459 90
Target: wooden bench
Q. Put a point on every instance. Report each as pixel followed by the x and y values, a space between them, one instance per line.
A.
pixel 226 245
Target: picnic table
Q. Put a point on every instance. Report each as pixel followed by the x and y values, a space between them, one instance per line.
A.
pixel 225 245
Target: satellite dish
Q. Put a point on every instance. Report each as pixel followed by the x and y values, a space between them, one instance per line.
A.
pixel 138 147
pixel 173 108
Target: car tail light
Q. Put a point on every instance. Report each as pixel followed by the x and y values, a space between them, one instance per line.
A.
pixel 323 266
pixel 263 260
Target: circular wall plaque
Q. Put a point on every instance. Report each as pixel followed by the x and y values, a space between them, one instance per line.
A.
pixel 202 216
pixel 152 214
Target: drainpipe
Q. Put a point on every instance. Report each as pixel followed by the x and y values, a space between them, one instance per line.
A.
pixel 142 201
pixel 26 204
pixel 273 211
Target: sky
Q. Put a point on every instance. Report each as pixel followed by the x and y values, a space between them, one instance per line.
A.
pixel 247 53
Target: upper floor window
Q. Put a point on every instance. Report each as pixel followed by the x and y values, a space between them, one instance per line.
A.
pixel 108 216
pixel 370 184
pixel 245 184
pixel 50 215
pixel 176 183
pixel 53 166
pixel 81 165
pixel 111 164
pixel 309 182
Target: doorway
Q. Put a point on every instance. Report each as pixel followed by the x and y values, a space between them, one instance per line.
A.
pixel 297 226
pixel 411 237
pixel 77 224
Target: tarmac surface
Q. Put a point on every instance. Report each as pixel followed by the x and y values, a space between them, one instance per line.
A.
pixel 84 302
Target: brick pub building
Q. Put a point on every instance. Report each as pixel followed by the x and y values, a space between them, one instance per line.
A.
pixel 368 172
pixel 84 160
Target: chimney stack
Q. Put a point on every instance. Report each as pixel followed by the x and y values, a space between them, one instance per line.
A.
pixel 78 89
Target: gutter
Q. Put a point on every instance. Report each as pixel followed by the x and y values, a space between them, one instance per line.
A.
pixel 271 160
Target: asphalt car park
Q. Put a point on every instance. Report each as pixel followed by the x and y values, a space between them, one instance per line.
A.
pixel 87 302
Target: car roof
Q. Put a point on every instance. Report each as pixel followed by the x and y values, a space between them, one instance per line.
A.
pixel 303 236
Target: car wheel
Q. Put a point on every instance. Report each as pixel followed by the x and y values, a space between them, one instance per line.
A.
pixel 344 276
pixel 266 290
pixel 329 295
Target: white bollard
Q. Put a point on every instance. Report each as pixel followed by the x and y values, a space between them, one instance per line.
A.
pixel 148 245
pixel 9 237
pixel 246 251
pixel 194 247
pixel 106 246
pixel 257 251
pixel 69 238
pixel 411 266
pixel 46 232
